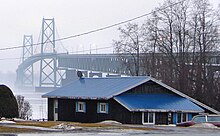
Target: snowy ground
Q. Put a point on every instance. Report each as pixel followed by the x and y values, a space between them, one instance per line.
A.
pixel 162 131
pixel 165 131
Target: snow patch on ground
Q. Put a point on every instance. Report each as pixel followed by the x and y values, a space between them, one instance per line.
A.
pixel 204 125
pixel 18 119
pixel 110 122
pixel 6 122
pixel 65 126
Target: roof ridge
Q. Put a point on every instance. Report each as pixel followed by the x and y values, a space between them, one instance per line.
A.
pixel 105 87
pixel 114 77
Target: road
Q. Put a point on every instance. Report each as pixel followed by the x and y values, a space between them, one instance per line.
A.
pixel 162 131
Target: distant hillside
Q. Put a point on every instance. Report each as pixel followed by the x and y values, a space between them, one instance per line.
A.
pixel 8 103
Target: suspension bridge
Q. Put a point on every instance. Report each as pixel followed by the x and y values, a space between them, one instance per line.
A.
pixel 48 68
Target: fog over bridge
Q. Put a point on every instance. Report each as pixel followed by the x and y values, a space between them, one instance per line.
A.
pixel 49 68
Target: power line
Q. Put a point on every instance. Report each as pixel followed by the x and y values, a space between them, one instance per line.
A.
pixel 117 24
pixel 99 29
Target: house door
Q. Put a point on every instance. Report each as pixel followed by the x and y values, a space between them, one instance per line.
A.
pixel 148 118
pixel 55 110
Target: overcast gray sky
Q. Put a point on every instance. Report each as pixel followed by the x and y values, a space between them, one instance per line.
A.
pixel 19 17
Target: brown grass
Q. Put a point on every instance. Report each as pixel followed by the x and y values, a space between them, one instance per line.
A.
pixel 140 128
pixel 98 125
pixel 49 124
pixel 92 125
pixel 46 124
pixel 15 130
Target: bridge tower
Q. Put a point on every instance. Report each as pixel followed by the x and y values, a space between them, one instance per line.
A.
pixel 27 78
pixel 48 66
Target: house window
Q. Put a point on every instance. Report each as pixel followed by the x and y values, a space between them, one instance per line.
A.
pixel 102 107
pixel 56 110
pixel 179 117
pixel 182 117
pixel 80 107
pixel 148 118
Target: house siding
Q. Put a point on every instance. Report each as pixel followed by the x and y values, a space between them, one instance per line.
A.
pixel 121 114
pixel 65 109
pixel 149 87
pixel 67 112
pixel 50 109
pixel 161 118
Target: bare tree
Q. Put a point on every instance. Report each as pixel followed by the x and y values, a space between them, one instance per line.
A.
pixel 166 32
pixel 187 34
pixel 129 47
pixel 150 35
pixel 27 110
pixel 24 107
pixel 177 45
pixel 204 33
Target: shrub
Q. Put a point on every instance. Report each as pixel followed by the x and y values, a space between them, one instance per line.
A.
pixel 8 103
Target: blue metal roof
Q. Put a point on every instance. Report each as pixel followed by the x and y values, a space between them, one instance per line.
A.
pixel 157 102
pixel 97 88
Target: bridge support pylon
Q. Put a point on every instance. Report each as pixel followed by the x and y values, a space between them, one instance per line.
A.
pixel 27 77
pixel 48 66
pixel 50 75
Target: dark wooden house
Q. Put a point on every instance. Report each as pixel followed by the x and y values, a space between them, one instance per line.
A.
pixel 130 100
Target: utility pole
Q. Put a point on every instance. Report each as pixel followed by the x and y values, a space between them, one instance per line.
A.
pixel 137 68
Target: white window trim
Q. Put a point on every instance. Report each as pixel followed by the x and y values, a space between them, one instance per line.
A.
pixel 81 110
pixel 187 119
pixel 100 105
pixel 148 123
pixel 54 110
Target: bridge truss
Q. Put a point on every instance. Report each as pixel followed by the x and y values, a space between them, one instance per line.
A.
pixel 54 66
